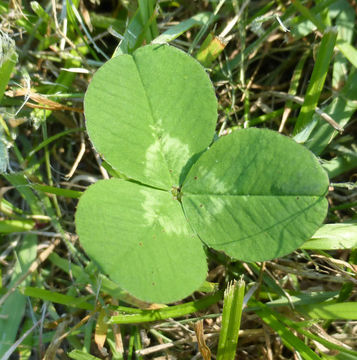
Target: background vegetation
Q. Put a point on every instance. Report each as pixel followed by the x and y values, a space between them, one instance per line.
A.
pixel 284 65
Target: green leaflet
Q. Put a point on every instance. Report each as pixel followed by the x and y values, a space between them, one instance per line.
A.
pixel 141 238
pixel 333 236
pixel 146 118
pixel 254 194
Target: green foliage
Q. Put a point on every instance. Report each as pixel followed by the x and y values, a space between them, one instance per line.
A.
pixel 152 115
pixel 333 236
pixel 231 318
pixel 131 316
pixel 175 31
pixel 271 318
pixel 13 308
pixel 9 226
pixel 304 124
pixel 341 109
pixel 57 298
pixel 81 355
pixel 331 310
pixel 8 58
pixel 263 76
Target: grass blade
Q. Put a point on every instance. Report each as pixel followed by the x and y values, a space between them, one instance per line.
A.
pixel 147 12
pixel 47 295
pixel 205 26
pixel 210 49
pixel 309 15
pixel 58 191
pixel 101 329
pixel 271 318
pixel 316 84
pixel 8 58
pixel 49 140
pixel 340 164
pixel 142 26
pixel 346 49
pixel 345 22
pixel 20 182
pixel 81 355
pixel 231 317
pixel 175 31
pixel 11 226
pixel 294 84
pixel 12 310
pixel 331 311
pixel 341 110
pixel 167 312
pixel 299 327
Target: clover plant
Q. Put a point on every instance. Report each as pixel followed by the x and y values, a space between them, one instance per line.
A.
pixel 253 194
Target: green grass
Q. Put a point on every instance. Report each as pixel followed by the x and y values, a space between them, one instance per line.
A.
pixel 53 300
